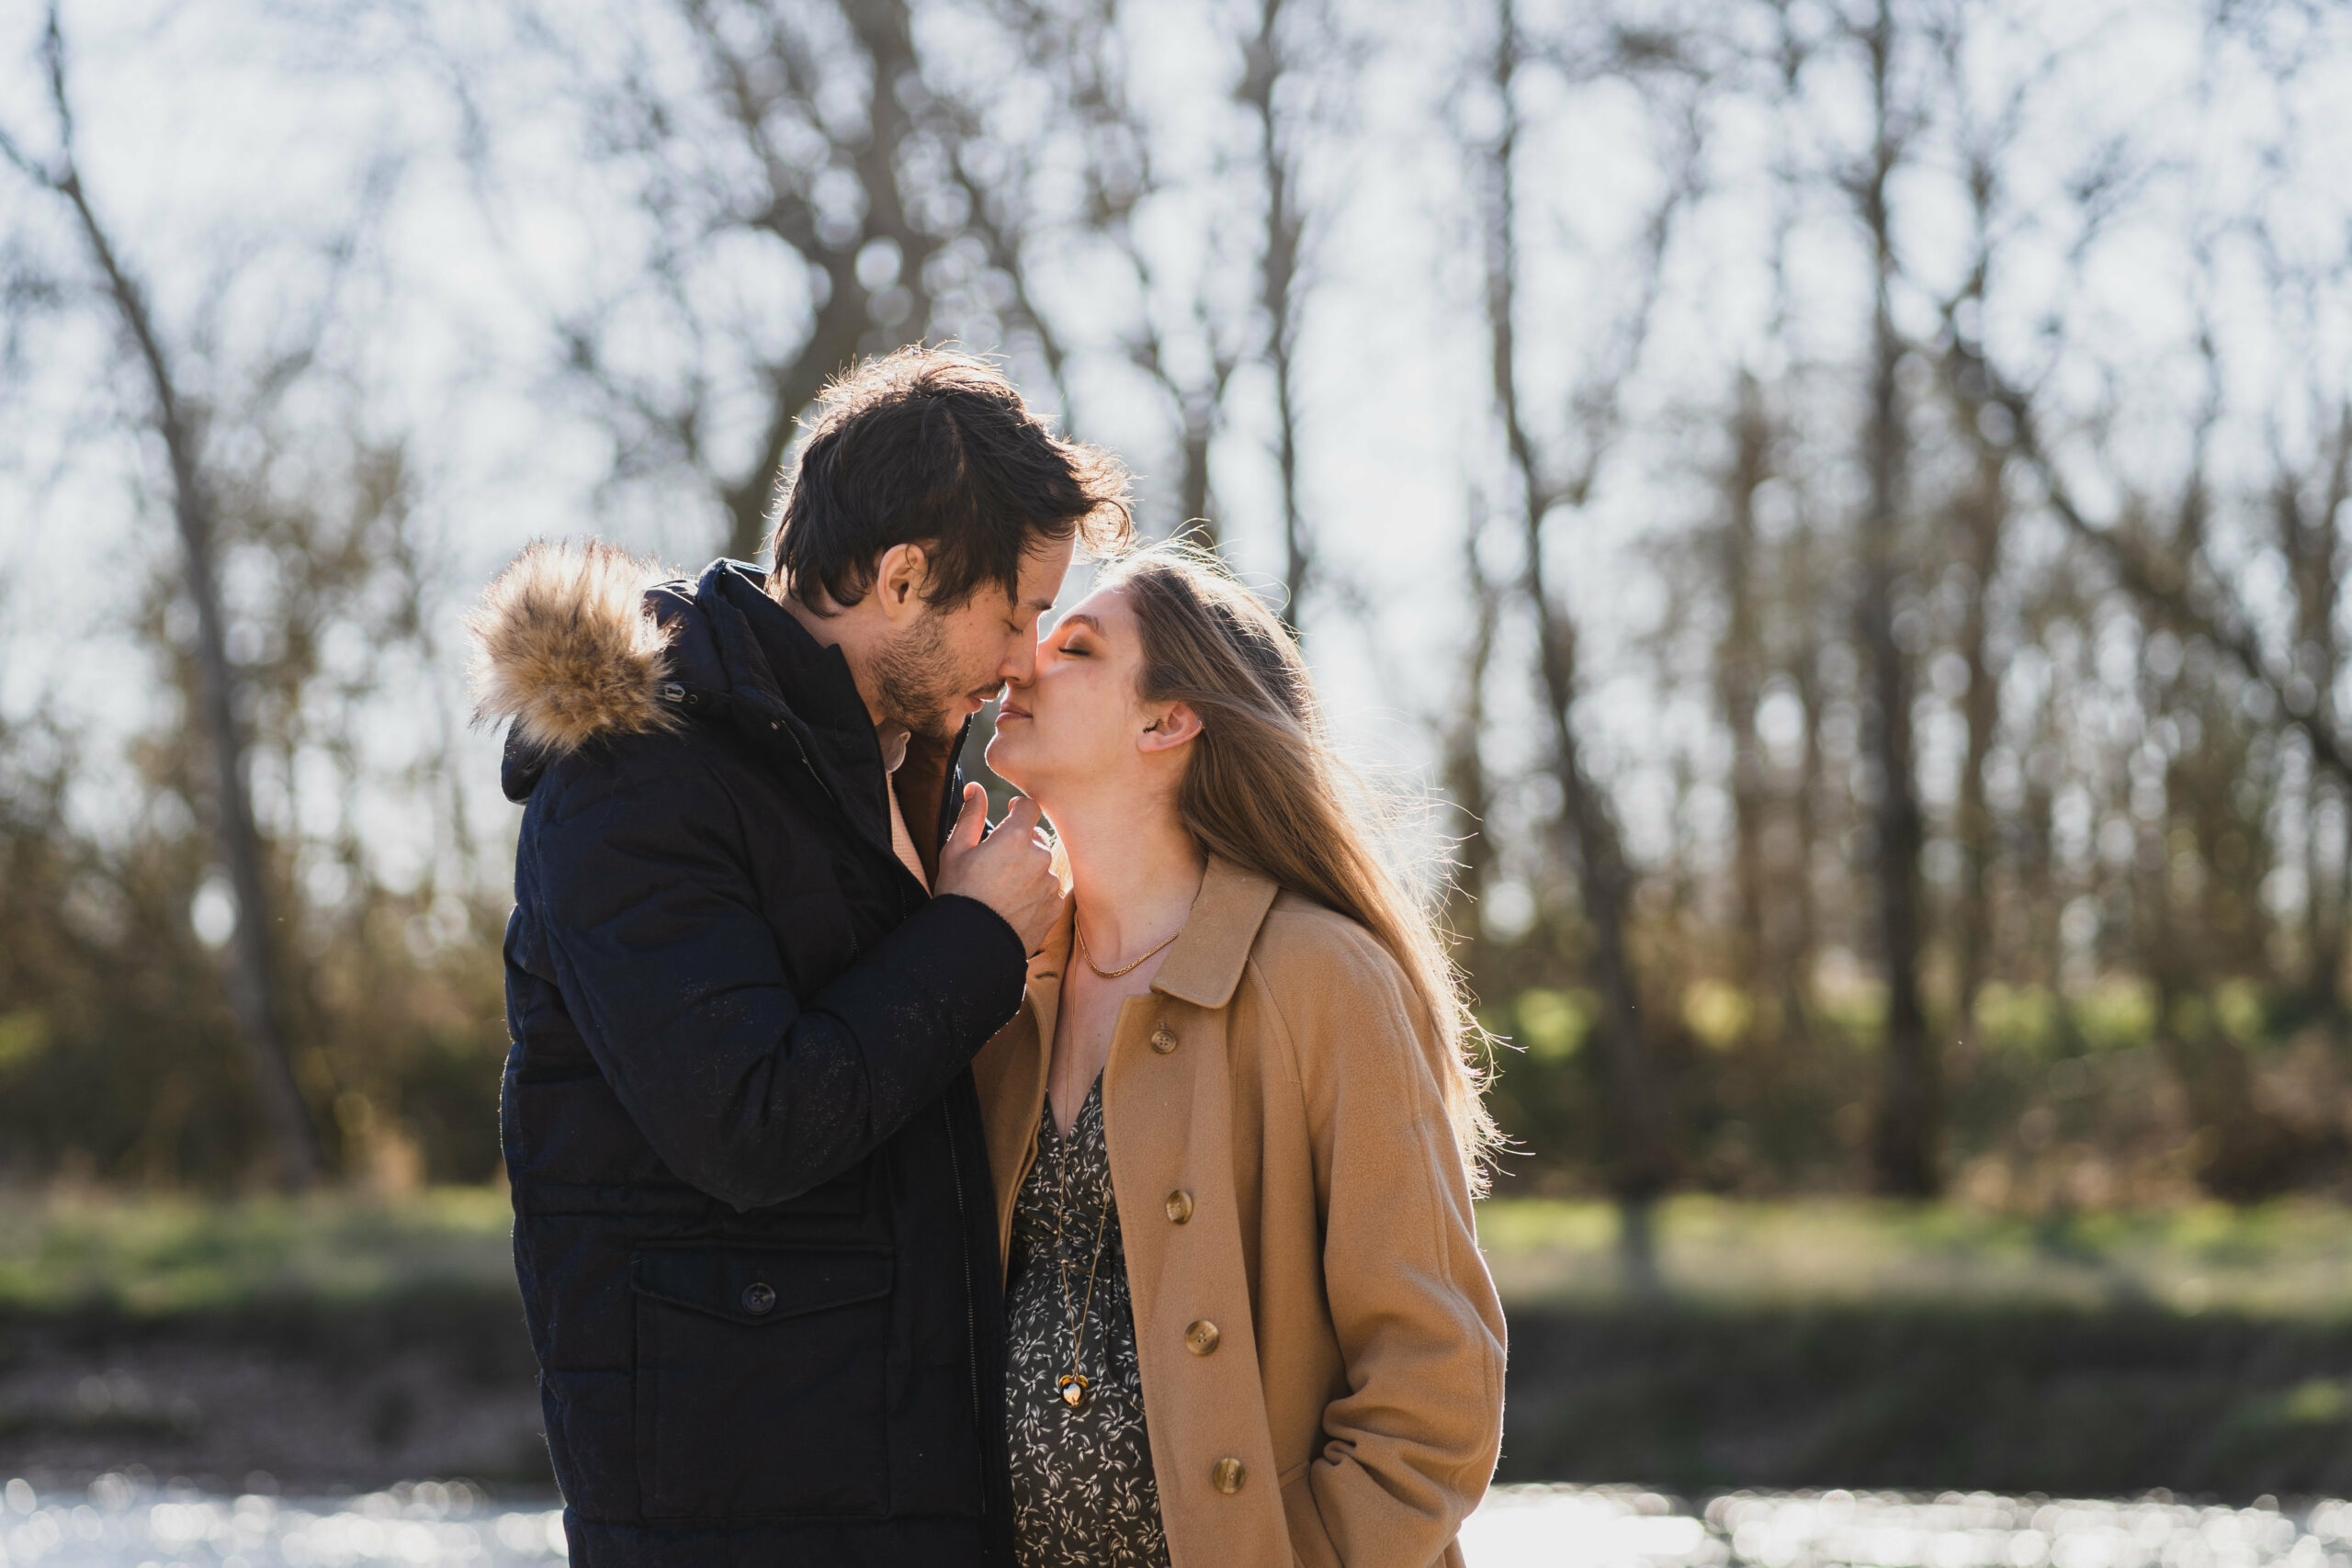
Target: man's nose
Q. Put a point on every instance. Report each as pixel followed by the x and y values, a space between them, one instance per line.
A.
pixel 1020 666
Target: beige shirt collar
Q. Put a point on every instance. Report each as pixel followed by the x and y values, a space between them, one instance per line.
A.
pixel 894 739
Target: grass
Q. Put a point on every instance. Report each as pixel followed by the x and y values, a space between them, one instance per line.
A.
pixel 1817 1342
pixel 2280 1260
pixel 147 1258
pixel 161 1257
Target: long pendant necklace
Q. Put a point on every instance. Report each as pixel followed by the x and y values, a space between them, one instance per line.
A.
pixel 1073 1385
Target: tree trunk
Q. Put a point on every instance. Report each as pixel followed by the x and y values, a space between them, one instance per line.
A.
pixel 1199 415
pixel 1796 959
pixel 1739 663
pixel 1983 511
pixel 1903 1148
pixel 253 984
pixel 2309 540
pixel 1464 765
pixel 1278 297
pixel 1644 1162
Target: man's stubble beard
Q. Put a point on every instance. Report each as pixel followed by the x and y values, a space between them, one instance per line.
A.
pixel 915 678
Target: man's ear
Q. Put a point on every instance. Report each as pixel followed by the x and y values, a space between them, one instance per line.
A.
pixel 1168 725
pixel 900 574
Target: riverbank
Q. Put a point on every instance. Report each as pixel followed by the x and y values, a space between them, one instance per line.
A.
pixel 336 1344
pixel 123 1520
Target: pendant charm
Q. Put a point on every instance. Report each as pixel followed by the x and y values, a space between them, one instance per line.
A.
pixel 1073 1389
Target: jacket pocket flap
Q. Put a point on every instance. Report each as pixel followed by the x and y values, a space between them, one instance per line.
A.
pixel 755 1287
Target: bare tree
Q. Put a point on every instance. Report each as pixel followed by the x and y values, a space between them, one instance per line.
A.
pixel 1266 62
pixel 1548 490
pixel 2307 507
pixel 1741 662
pixel 176 419
pixel 1902 1146
pixel 1179 338
pixel 1980 511
pixel 905 216
pixel 1469 788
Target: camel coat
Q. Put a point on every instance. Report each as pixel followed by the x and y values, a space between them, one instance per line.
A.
pixel 1322 1349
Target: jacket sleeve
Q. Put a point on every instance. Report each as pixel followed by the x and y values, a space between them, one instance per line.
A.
pixel 674 979
pixel 1410 1446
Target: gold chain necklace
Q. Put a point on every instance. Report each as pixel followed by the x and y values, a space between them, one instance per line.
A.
pixel 1072 1385
pixel 1088 954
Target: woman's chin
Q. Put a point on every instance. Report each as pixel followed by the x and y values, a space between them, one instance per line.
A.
pixel 1005 761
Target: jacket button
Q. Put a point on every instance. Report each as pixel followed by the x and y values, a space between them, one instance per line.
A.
pixel 759 1298
pixel 1163 1039
pixel 1228 1475
pixel 1179 1206
pixel 1201 1337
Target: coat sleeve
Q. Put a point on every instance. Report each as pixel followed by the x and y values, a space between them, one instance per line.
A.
pixel 673 977
pixel 1410 1446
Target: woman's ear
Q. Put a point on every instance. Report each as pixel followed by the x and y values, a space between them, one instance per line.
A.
pixel 1170 725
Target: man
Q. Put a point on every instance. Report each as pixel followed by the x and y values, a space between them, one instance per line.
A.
pixel 758 937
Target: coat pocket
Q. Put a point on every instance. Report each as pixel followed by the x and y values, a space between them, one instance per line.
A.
pixel 1310 1543
pixel 760 1382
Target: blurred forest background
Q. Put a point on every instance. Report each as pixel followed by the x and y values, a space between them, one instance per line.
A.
pixel 1842 502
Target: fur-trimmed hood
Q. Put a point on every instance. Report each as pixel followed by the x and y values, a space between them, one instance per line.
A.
pixel 566 647
pixel 577 643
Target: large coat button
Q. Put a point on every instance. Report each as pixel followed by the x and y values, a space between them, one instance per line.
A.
pixel 1163 1039
pixel 1179 1206
pixel 759 1298
pixel 1201 1337
pixel 1228 1475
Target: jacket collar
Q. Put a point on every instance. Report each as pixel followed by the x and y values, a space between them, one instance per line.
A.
pixel 732 640
pixel 1205 965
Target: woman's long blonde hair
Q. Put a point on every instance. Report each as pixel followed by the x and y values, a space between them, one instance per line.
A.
pixel 1266 789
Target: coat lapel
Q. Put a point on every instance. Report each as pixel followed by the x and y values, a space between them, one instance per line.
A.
pixel 1206 962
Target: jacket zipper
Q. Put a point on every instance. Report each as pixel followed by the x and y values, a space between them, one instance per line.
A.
pixel 825 789
pixel 971 1317
pixel 678 694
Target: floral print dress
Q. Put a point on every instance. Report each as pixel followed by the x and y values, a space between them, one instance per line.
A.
pixel 1082 1486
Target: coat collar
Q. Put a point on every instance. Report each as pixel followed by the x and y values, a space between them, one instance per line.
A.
pixel 1205 965
pixel 1202 968
pixel 731 640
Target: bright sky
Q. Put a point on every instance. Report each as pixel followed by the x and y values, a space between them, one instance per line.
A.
pixel 228 140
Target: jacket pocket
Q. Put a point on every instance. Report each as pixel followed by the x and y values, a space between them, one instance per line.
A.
pixel 760 1383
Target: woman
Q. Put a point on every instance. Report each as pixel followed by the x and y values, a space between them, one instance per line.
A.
pixel 1234 1133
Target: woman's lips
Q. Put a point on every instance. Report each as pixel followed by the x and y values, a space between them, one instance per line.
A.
pixel 1008 711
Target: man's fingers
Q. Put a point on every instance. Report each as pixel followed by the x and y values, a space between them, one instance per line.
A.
pixel 1022 818
pixel 972 821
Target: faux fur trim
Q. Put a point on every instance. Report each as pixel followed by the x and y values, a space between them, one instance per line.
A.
pixel 562 646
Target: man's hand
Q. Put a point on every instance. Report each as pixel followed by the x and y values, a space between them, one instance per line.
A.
pixel 1010 870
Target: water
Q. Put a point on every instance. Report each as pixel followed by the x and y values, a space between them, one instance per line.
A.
pixel 120 1523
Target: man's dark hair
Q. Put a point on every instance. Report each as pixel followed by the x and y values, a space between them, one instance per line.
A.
pixel 936 448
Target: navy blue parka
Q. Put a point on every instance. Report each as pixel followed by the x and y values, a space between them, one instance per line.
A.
pixel 754 1223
